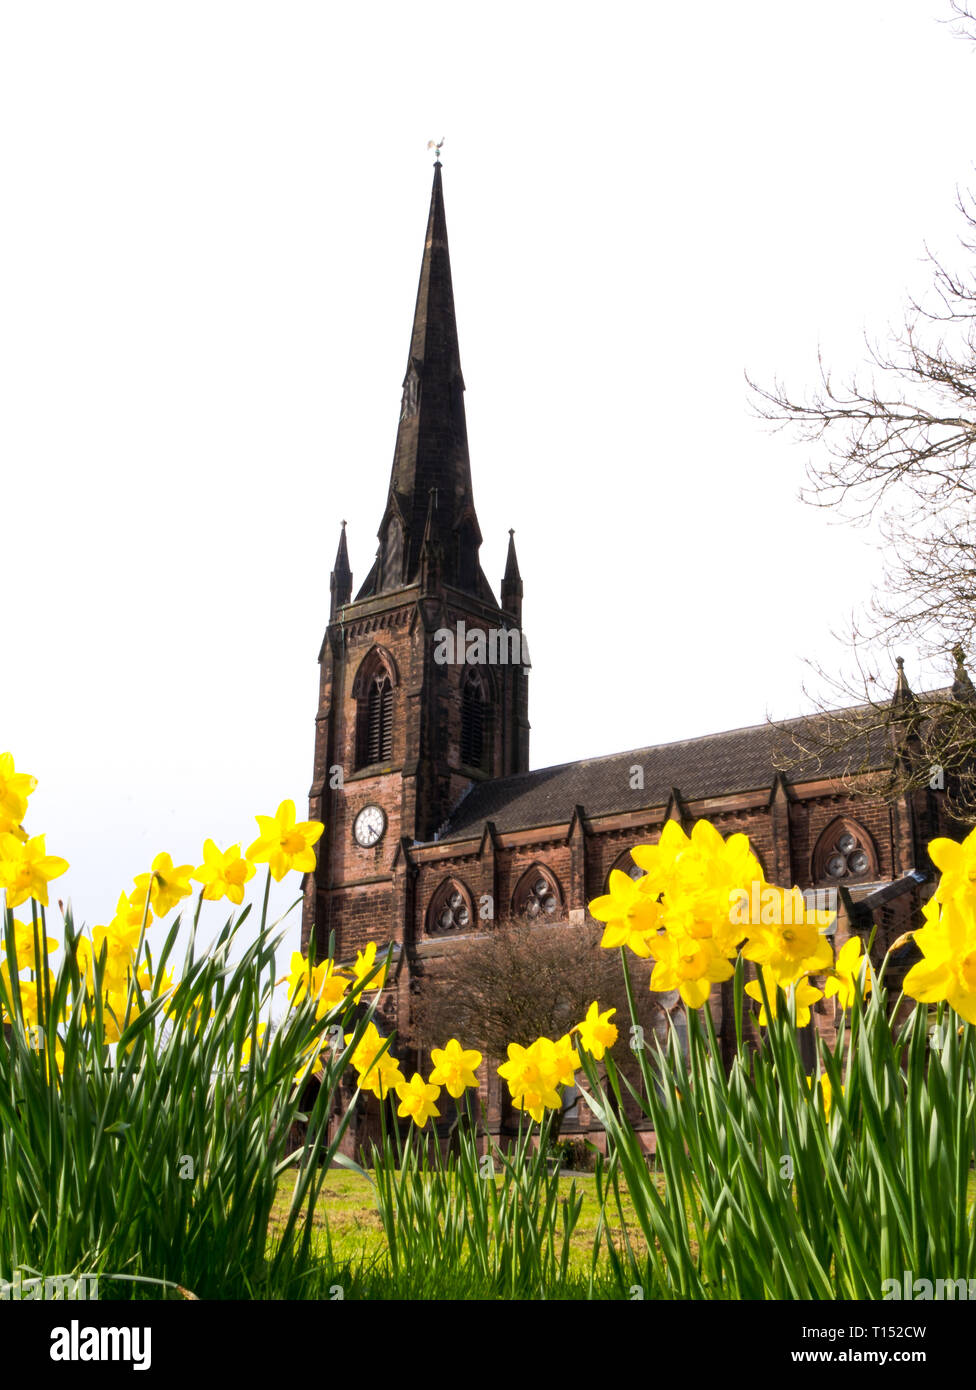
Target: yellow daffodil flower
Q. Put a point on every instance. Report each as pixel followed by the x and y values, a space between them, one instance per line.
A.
pixel 417 1098
pixel 284 845
pixel 379 1074
pixel 454 1068
pixel 26 869
pixel 846 972
pixel 596 1031
pixel 826 1094
pixel 632 917
pixel 365 961
pixel 691 965
pixel 167 884
pixel 15 788
pixel 805 994
pixel 223 873
pixel 948 971
pixel 788 939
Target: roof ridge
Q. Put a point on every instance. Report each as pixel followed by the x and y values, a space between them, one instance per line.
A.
pixel 701 738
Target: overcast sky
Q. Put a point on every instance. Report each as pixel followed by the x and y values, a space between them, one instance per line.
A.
pixel 211 235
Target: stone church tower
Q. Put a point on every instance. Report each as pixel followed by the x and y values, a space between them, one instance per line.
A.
pixel 405 725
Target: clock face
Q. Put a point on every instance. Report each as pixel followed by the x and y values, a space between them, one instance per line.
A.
pixel 369 826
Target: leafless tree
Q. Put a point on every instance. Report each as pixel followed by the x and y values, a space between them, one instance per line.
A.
pixel 521 982
pixel 897 443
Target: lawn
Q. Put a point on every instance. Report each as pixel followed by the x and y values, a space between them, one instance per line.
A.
pixel 346 1214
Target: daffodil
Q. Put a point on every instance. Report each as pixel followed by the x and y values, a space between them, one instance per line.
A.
pixel 842 980
pixel 596 1031
pixel 223 873
pixel 948 970
pixel 804 993
pixel 957 863
pixel 826 1094
pixel 25 948
pixel 377 1073
pixel 564 1060
pixel 323 983
pixel 788 939
pixel 365 963
pixel 531 1073
pixel 696 876
pixel 454 1068
pixel 32 992
pixel 417 1098
pixel 167 884
pixel 15 788
pixel 632 917
pixel 26 869
pixel 262 1028
pixel 284 845
pixel 691 965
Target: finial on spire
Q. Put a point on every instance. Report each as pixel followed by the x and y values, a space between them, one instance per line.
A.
pixel 435 145
pixel 900 662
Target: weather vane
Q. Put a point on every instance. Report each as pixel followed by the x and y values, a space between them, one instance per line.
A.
pixel 435 145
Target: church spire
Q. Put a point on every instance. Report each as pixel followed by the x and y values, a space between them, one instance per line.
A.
pixel 512 582
pixel 432 441
pixel 962 686
pixel 903 712
pixel 340 581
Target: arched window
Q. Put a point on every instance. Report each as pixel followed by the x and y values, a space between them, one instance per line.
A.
pixel 373 690
pixel 844 851
pixel 450 909
pixel 476 721
pixel 537 895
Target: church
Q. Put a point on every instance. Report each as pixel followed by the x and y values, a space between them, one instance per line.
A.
pixel 436 827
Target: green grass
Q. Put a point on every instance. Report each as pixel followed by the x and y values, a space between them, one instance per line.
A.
pixel 349 1238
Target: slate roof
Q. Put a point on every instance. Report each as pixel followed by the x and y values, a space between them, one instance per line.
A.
pixel 738 760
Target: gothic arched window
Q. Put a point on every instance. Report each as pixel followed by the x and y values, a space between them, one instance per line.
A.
pixel 476 722
pixel 450 909
pixel 537 895
pixel 373 690
pixel 844 851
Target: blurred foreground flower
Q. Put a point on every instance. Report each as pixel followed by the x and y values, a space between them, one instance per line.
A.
pixel 26 869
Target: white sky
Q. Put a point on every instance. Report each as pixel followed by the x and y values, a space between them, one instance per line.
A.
pixel 211 236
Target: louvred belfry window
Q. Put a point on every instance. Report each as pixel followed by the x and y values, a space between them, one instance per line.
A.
pixel 379 721
pixel 374 690
pixel 476 724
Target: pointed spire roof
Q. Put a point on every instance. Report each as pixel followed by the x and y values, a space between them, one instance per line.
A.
pixel 903 701
pixel 432 441
pixel 962 686
pixel 512 581
pixel 340 582
pixel 512 576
